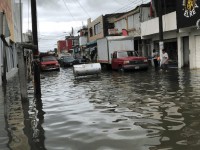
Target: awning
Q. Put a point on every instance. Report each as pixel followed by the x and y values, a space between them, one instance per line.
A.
pixel 92 43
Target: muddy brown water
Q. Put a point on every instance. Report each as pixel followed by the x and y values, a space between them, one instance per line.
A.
pixel 143 110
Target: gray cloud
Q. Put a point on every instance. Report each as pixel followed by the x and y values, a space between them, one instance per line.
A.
pixel 61 15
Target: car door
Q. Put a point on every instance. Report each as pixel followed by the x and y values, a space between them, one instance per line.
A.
pixel 114 61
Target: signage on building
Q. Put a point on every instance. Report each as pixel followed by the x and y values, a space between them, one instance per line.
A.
pixel 188 13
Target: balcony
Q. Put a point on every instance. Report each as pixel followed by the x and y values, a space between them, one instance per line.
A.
pixel 152 26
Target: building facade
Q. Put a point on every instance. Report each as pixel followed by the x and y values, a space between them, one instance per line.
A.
pixel 11 31
pixel 131 23
pixel 150 31
pixel 188 24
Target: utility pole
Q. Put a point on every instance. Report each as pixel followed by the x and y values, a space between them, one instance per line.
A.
pixel 36 59
pixel 161 43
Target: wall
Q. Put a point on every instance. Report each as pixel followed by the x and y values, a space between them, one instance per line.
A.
pixel 145 14
pixel 121 24
pixel 69 44
pixel 194 47
pixel 152 26
pixel 12 32
pixel 1 61
pixel 83 40
pixel 6 6
pixel 91 24
pixel 61 46
pixel 134 25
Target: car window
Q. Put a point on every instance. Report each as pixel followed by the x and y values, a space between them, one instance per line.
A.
pixel 126 54
pixel 48 58
pixel 115 55
pixel 69 58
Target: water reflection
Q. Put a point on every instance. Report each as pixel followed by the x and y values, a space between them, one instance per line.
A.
pixel 140 110
pixel 13 117
pixel 34 118
pixel 115 111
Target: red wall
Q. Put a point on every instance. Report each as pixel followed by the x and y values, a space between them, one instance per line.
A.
pixel 62 45
pixel 69 44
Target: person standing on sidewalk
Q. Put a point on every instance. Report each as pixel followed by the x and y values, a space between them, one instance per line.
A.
pixel 164 61
pixel 155 59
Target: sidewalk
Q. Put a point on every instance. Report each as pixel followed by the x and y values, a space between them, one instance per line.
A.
pixel 3 133
pixel 12 117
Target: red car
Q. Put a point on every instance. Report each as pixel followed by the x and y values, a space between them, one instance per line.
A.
pixel 49 63
pixel 128 60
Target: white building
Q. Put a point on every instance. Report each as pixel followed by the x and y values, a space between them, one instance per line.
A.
pixel 188 23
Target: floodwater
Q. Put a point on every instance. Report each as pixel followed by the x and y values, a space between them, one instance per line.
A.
pixel 143 110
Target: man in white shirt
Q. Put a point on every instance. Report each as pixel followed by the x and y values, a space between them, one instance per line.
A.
pixel 164 61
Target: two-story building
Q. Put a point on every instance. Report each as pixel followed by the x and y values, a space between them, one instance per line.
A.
pixel 99 28
pixel 181 31
pixel 131 23
pixel 150 30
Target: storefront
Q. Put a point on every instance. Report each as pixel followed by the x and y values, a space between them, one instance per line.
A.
pixel 171 46
pixel 188 24
pixel 92 53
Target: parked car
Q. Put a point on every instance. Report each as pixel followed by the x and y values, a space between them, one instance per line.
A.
pixel 67 61
pixel 49 63
pixel 128 60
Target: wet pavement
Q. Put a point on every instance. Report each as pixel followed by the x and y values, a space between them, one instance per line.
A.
pixel 143 110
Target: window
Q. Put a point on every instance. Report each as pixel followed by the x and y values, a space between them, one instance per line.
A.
pixel 126 54
pixel 97 28
pixel 115 55
pixel 91 33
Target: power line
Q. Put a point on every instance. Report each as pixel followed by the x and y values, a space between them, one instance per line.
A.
pixel 83 8
pixel 68 10
pixel 118 2
pixel 130 5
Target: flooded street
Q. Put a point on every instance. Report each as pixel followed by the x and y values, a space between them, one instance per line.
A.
pixel 144 110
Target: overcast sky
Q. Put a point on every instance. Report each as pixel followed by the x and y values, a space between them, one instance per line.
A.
pixel 57 17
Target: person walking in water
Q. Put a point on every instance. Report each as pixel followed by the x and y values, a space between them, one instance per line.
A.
pixel 164 61
pixel 155 59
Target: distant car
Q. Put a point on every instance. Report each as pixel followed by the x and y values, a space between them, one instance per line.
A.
pixel 67 61
pixel 49 63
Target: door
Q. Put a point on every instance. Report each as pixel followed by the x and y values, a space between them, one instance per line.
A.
pixel 185 51
pixel 197 41
pixel 114 61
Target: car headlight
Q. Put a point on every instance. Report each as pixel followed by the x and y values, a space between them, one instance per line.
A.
pixel 126 62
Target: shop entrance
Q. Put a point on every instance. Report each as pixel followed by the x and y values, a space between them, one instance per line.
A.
pixel 171 49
